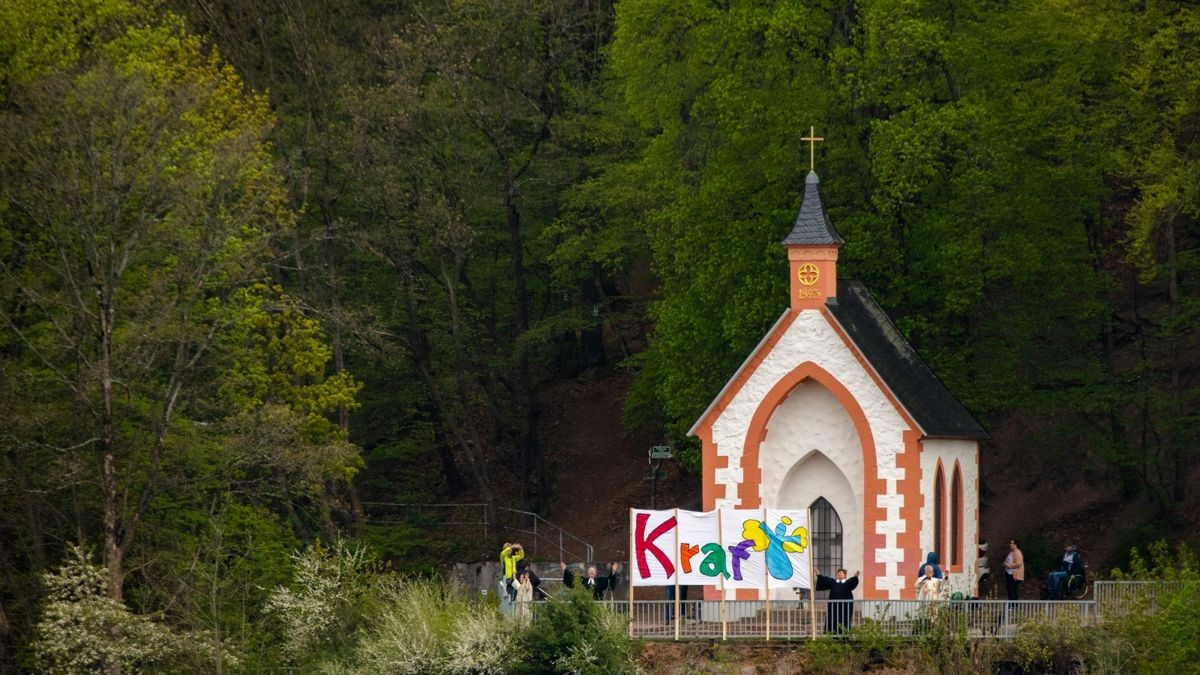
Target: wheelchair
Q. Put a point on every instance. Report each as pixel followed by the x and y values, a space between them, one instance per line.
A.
pixel 1074 587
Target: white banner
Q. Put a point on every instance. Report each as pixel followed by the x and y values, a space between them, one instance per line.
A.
pixel 727 548
pixel 695 528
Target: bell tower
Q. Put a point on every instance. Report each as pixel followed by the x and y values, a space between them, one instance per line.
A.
pixel 813 244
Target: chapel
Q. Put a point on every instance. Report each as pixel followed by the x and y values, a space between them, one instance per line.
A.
pixel 835 412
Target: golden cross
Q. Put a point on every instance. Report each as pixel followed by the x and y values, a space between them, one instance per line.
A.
pixel 812 139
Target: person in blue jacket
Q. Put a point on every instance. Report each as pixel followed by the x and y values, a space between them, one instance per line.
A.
pixel 930 559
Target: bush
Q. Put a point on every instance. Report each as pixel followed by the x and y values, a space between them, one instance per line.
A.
pixel 1061 645
pixel 1166 625
pixel 421 626
pixel 322 605
pixel 82 630
pixel 572 633
pixel 835 656
pixel 1040 556
pixel 1139 537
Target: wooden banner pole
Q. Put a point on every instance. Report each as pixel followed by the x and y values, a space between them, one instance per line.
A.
pixel 767 582
pixel 724 609
pixel 630 572
pixel 678 618
pixel 812 580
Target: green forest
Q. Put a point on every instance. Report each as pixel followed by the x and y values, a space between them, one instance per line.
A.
pixel 266 261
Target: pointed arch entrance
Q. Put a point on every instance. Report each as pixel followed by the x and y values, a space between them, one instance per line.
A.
pixel 811 454
pixel 825 535
pixel 835 512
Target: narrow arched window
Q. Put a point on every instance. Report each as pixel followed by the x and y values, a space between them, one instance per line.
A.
pixel 956 518
pixel 826 532
pixel 939 511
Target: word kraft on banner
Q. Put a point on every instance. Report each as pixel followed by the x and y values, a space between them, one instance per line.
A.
pixel 733 548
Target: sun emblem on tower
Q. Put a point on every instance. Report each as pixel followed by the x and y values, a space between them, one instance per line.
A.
pixel 808 274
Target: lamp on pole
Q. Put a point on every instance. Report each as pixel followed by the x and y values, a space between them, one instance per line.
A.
pixel 657 454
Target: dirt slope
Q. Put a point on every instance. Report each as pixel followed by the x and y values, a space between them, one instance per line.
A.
pixel 599 471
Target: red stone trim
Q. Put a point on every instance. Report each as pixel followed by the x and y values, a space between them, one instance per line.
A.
pixel 909 541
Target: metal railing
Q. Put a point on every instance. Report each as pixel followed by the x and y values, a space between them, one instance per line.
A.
pixel 1117 597
pixel 735 619
pixel 545 534
pixel 539 535
pixel 783 619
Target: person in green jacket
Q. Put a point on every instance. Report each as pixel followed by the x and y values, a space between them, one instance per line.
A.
pixel 510 555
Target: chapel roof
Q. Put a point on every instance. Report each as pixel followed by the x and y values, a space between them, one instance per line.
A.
pixel 914 384
pixel 813 226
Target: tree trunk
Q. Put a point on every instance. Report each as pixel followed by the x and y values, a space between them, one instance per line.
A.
pixel 591 339
pixel 1178 454
pixel 454 479
pixel 472 447
pixel 532 470
pixel 339 358
pixel 107 443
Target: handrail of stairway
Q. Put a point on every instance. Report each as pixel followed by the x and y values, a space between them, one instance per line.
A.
pixel 557 537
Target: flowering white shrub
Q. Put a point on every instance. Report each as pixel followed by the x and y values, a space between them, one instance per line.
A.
pixel 482 641
pixel 327 587
pixel 423 627
pixel 82 630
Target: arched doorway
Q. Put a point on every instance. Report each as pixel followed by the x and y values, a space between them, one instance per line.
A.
pixel 825 533
pixel 835 512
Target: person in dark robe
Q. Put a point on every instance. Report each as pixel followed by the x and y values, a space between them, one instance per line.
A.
pixel 840 611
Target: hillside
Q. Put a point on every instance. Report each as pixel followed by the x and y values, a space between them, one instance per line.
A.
pixel 600 471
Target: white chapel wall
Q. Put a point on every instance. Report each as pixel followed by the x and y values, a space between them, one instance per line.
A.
pixel 965 453
pixel 811 338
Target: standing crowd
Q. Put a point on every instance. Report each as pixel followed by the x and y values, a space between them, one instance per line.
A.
pixel 932 584
pixel 521 584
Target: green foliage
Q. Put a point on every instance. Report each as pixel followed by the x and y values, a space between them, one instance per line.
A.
pixel 718 93
pixel 572 633
pixel 1138 537
pixel 1059 645
pixel 344 612
pixel 416 548
pixel 230 558
pixel 461 200
pixel 828 655
pixel 978 156
pixel 140 201
pixel 1040 555
pixel 872 637
pixel 1162 565
pixel 41 37
pixel 1165 624
pixel 276 354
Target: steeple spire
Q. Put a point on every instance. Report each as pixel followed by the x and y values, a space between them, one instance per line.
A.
pixel 812 245
pixel 813 227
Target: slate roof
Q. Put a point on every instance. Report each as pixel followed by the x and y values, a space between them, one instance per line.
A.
pixel 812 225
pixel 918 389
